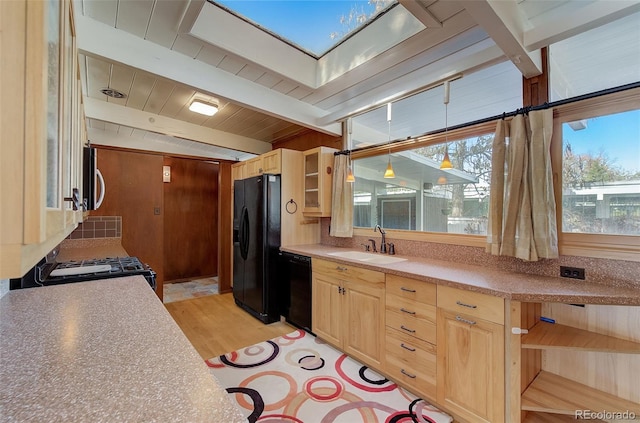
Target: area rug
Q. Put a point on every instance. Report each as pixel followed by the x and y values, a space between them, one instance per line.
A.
pixel 299 378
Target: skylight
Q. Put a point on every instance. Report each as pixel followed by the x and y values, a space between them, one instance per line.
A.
pixel 313 26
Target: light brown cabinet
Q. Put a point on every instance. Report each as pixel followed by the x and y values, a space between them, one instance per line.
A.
pixel 348 309
pixel 272 162
pixel 42 132
pixel 471 379
pixel 238 171
pixel 253 167
pixel 411 334
pixel 318 179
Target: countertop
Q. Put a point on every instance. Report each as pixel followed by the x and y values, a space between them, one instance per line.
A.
pixel 101 351
pixel 516 286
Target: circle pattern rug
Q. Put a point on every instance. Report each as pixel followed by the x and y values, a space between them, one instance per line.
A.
pixel 298 378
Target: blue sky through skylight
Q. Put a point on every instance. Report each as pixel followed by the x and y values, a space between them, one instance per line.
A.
pixel 306 23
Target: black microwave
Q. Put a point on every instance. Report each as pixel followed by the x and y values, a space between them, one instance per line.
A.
pixel 93 187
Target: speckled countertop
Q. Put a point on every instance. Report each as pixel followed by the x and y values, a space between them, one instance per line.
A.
pixel 101 351
pixel 517 286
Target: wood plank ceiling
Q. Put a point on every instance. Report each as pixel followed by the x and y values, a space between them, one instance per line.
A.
pixel 267 106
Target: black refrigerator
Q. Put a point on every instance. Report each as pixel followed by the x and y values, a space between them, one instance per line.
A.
pixel 256 244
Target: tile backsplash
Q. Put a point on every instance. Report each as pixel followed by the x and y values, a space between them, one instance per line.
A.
pixel 98 227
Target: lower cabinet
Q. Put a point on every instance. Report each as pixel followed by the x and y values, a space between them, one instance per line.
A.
pixel 348 309
pixel 411 334
pixel 471 377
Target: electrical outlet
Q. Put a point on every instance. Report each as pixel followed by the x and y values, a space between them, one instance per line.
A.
pixel 572 272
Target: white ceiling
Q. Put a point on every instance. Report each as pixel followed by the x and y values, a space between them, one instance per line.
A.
pixel 164 53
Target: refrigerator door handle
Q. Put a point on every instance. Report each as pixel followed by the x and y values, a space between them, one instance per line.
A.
pixel 244 234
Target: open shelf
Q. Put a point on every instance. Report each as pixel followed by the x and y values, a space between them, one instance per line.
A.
pixel 550 393
pixel 552 418
pixel 554 336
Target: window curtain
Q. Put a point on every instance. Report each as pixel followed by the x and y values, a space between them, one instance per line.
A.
pixel 341 199
pixel 522 209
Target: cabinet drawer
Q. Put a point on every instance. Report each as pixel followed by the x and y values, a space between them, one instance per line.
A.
pixel 471 303
pixel 346 271
pixel 412 289
pixel 416 370
pixel 411 325
pixel 411 309
pixel 419 354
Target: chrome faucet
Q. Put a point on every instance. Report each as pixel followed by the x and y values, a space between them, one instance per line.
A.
pixel 383 246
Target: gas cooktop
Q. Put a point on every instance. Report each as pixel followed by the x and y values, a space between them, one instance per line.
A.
pixel 54 273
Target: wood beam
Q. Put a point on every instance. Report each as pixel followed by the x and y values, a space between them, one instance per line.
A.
pixel 502 21
pixel 97 39
pixel 121 115
pixel 421 13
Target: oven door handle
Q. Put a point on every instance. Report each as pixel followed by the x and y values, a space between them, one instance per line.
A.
pixel 103 188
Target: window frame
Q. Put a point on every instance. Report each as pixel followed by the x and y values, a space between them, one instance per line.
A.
pixel 424 141
pixel 619 247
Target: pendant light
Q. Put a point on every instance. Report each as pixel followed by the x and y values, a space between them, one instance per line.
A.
pixel 350 176
pixel 389 173
pixel 446 162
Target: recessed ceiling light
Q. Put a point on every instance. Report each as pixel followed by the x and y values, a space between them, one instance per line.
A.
pixel 203 108
pixel 112 93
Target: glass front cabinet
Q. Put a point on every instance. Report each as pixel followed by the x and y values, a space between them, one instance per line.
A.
pixel 318 177
pixel 42 132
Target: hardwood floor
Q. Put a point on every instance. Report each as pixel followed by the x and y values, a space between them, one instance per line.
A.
pixel 215 325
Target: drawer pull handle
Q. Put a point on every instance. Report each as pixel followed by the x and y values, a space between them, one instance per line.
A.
pixel 407 329
pixel 341 269
pixel 407 311
pixel 407 289
pixel 469 322
pixel 466 305
pixel 407 348
pixel 407 374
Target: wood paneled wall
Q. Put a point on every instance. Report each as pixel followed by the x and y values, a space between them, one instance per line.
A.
pixel 134 191
pixel 190 219
pixel 225 233
pixel 308 140
pixel 171 226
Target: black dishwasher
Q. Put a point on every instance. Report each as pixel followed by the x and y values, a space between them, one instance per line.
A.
pixel 297 278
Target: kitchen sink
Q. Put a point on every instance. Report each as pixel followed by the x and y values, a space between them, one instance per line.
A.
pixel 372 258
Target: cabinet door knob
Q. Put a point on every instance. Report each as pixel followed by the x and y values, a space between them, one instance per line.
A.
pixel 463 320
pixel 407 289
pixel 407 311
pixel 341 269
pixel 460 303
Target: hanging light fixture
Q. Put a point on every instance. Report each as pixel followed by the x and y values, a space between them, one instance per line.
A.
pixel 446 162
pixel 350 176
pixel 389 173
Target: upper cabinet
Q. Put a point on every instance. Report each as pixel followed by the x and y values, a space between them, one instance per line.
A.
pixel 272 162
pixel 253 167
pixel 42 132
pixel 318 178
